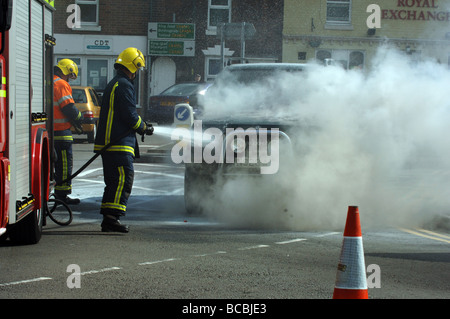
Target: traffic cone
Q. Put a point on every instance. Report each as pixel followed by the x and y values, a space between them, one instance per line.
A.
pixel 351 282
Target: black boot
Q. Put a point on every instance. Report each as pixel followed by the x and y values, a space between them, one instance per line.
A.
pixel 112 224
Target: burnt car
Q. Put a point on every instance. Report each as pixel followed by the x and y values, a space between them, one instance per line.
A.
pixel 88 103
pixel 161 106
pixel 246 128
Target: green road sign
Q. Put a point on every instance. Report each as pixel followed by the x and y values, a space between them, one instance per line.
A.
pixel 171 48
pixel 171 31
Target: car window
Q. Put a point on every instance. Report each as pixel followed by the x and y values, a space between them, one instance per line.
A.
pixel 183 89
pixel 252 75
pixel 79 96
pixel 94 97
pixel 251 88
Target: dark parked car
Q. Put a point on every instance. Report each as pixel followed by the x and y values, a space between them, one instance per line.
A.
pixel 161 106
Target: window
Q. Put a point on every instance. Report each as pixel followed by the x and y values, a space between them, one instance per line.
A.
pixel 338 11
pixel 219 11
pixel 348 59
pixel 356 60
pixel 212 68
pixel 322 55
pixel 97 76
pixel 89 13
pixel 94 97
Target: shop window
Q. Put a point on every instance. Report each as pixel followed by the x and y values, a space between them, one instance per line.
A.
pixel 356 60
pixel 322 55
pixel 348 59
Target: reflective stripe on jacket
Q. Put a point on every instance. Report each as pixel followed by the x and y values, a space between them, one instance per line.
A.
pixel 63 106
pixel 118 115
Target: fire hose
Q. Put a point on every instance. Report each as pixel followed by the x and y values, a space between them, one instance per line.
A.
pixel 148 131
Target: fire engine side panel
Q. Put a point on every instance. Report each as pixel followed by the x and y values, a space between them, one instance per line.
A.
pixel 37 57
pixel 48 21
pixel 19 122
pixel 48 29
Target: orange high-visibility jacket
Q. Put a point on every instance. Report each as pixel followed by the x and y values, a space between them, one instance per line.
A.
pixel 64 110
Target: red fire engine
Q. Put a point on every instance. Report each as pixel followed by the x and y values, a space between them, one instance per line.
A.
pixel 26 117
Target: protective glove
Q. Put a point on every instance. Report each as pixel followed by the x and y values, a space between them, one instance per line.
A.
pixel 148 129
pixel 77 127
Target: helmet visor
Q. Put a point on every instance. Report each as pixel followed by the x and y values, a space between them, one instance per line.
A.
pixel 139 62
pixel 72 70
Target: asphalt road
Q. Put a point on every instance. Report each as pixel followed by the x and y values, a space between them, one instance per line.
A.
pixel 170 255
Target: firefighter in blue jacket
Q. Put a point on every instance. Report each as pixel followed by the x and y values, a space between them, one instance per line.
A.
pixel 118 124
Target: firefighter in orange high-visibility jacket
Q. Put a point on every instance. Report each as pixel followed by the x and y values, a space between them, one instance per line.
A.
pixel 65 116
pixel 118 124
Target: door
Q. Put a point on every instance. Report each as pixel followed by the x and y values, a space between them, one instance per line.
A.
pixel 163 74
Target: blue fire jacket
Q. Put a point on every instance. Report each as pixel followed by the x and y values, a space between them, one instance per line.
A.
pixel 118 115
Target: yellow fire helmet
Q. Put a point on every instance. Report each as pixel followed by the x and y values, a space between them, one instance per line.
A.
pixel 68 67
pixel 132 59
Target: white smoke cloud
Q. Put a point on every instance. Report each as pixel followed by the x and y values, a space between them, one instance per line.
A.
pixel 382 143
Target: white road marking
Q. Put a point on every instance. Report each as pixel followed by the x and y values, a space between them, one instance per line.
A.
pixel 90 181
pixel 159 165
pixel 160 174
pixel 157 261
pixel 327 234
pixel 90 272
pixel 134 186
pixel 25 281
pixel 212 254
pixel 290 241
pixel 253 247
pixel 89 171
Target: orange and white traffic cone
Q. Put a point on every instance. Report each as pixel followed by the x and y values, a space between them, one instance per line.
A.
pixel 351 281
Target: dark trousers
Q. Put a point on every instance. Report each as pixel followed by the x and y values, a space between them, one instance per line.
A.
pixel 63 168
pixel 118 172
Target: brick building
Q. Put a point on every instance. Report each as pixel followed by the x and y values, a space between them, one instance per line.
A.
pixel 106 27
pixel 338 30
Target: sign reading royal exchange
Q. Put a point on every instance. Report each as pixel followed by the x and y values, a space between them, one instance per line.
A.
pixel 417 10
